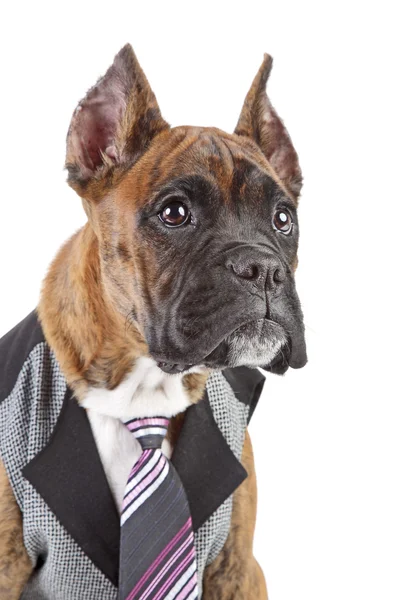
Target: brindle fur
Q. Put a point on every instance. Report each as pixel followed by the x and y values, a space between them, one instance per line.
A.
pixel 99 282
pixel 235 574
pixel 94 343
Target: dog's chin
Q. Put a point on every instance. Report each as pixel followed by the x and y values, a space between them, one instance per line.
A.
pixel 261 343
pixel 178 368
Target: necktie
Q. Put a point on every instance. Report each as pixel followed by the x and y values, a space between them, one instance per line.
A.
pixel 157 553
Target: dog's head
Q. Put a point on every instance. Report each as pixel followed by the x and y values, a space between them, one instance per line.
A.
pixel 197 228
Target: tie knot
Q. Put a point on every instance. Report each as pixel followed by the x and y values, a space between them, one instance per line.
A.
pixel 150 431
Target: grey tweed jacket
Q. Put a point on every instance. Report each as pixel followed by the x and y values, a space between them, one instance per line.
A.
pixel 70 521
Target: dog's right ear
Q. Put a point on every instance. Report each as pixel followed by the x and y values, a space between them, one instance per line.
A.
pixel 112 126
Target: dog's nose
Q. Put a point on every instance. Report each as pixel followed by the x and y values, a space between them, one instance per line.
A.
pixel 256 266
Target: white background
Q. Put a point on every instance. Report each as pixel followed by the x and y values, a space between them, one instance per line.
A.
pixel 326 438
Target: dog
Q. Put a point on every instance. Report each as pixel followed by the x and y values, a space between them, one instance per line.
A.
pixel 178 287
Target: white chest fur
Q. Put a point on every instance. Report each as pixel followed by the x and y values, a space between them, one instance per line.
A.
pixel 145 392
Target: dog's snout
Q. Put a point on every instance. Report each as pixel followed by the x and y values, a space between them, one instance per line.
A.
pixel 256 266
pixel 275 275
pixel 246 270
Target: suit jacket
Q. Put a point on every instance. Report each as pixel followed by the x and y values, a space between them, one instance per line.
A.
pixel 70 521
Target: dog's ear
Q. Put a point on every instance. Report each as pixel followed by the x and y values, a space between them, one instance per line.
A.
pixel 113 125
pixel 259 121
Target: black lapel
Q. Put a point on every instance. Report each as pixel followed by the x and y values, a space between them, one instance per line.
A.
pixel 207 466
pixel 69 476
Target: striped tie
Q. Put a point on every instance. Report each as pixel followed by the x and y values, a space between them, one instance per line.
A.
pixel 157 553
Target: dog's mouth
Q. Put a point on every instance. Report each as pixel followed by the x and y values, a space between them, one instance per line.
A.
pixel 173 368
pixel 260 343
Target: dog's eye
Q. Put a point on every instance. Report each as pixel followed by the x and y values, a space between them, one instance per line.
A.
pixel 174 214
pixel 282 221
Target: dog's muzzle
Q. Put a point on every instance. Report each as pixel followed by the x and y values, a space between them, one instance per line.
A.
pixel 244 312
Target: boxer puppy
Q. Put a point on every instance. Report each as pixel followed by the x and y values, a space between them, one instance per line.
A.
pixel 186 265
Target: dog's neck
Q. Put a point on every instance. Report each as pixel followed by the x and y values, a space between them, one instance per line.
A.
pixel 94 344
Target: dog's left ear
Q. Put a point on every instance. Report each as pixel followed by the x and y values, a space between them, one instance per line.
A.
pixel 259 121
pixel 112 126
